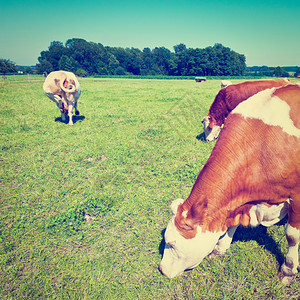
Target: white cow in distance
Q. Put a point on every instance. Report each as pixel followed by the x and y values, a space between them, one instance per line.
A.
pixel 225 83
pixel 63 89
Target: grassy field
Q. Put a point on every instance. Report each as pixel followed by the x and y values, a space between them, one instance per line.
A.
pixel 83 208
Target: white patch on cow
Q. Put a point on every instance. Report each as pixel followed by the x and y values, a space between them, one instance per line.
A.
pixel 270 109
pixel 184 214
pixel 261 214
pixel 175 204
pixel 225 241
pixel 292 254
pixel 181 254
pixel 210 133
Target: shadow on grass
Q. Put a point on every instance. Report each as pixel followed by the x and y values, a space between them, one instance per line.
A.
pixel 162 243
pixel 261 236
pixel 201 137
pixel 244 234
pixel 75 119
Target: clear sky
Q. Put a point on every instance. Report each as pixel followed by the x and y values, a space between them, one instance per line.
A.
pixel 267 32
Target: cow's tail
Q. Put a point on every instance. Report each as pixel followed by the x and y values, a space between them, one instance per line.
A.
pixel 66 90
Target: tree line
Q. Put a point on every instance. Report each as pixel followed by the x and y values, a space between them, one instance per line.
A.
pixel 89 58
pixel 272 71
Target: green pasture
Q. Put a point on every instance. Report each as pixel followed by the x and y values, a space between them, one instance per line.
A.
pixel 83 208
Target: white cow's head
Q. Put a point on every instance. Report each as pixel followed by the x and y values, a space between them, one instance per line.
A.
pixel 180 253
pixel 211 129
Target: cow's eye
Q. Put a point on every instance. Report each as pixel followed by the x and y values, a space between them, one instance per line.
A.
pixel 168 246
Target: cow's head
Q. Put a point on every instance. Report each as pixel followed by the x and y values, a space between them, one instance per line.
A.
pixel 181 253
pixel 210 127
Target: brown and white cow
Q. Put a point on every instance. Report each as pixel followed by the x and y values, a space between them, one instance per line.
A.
pixel 252 177
pixel 228 98
pixel 63 89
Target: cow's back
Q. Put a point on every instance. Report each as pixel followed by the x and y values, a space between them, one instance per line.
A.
pixel 52 82
pixel 239 92
pixel 230 97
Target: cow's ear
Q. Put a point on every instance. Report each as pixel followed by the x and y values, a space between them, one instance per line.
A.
pixel 212 121
pixel 185 225
pixel 175 205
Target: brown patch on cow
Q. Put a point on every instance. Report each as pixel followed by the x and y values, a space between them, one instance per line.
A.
pixel 65 84
pixel 212 121
pixel 185 226
pixel 57 83
pixel 294 211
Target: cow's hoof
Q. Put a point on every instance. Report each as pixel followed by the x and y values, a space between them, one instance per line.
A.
pixel 212 255
pixel 71 124
pixel 77 112
pixel 215 253
pixel 284 278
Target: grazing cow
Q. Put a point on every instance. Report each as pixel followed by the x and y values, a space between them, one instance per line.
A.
pixel 64 90
pixel 225 83
pixel 228 98
pixel 252 177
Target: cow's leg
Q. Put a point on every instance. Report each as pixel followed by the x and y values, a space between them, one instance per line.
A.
pixel 290 265
pixel 76 110
pixel 62 111
pixel 70 113
pixel 224 242
pixel 63 116
pixel 58 101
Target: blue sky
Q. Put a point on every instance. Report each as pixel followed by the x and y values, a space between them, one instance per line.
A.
pixel 266 32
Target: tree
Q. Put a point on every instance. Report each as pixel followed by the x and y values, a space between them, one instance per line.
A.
pixel 264 70
pixel 297 72
pixel 81 73
pixel 120 71
pixel 68 64
pixel 94 58
pixel 28 70
pixel 179 48
pixel 162 60
pixel 147 62
pixel 113 64
pixel 279 72
pixel 44 67
pixel 7 66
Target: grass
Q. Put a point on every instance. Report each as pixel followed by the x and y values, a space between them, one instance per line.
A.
pixel 83 208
